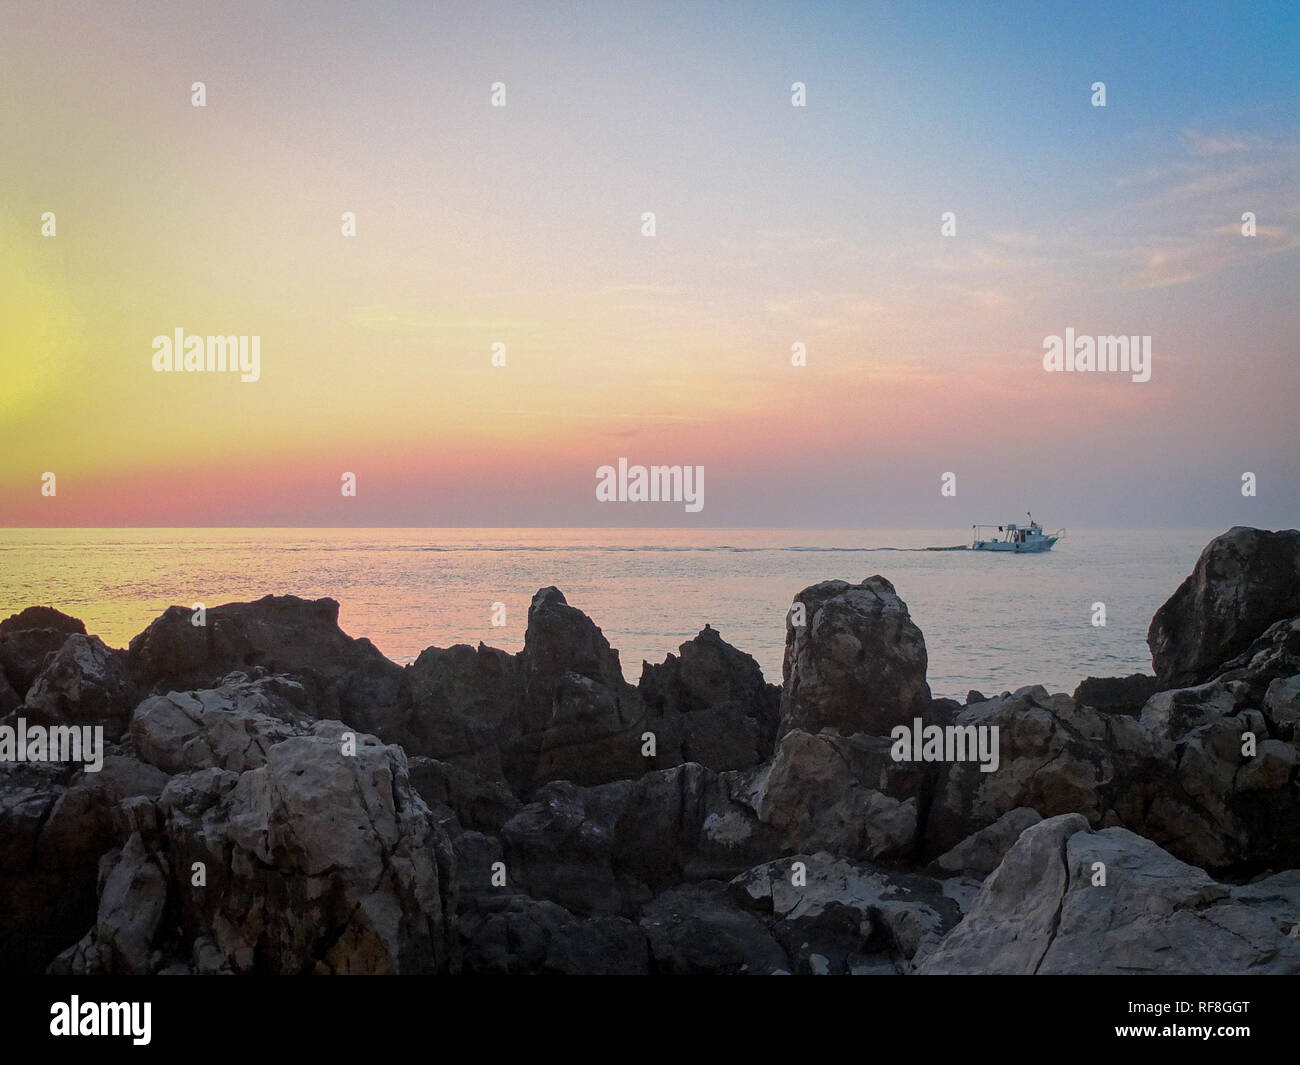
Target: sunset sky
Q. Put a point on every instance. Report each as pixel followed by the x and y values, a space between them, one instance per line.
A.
pixel 775 225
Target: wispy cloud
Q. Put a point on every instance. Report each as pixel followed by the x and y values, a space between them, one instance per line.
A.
pixel 1203 143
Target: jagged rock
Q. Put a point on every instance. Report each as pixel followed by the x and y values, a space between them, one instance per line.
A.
pixel 1175 774
pixel 845 795
pixel 344 678
pixel 710 705
pixel 516 934
pixel 84 682
pixel 467 709
pixel 23 654
pixel 315 860
pixel 981 852
pixel 1244 581
pixel 318 861
pixel 233 726
pixel 574 683
pixel 845 914
pixel 608 849
pixel 481 805
pixel 1216 806
pixel 1039 912
pixel 699 928
pixel 1282 705
pixel 1275 655
pixel 1053 757
pixel 559 709
pixel 1171 715
pixel 857 664
pixel 1116 695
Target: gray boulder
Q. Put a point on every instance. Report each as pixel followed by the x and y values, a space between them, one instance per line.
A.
pixel 1244 581
pixel 84 682
pixel 858 662
pixel 982 852
pixel 845 795
pixel 306 858
pixel 834 916
pixel 1044 910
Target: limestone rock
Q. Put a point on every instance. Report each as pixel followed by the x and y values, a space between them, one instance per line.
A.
pixel 857 664
pixel 1040 912
pixel 344 678
pixel 315 861
pixel 845 795
pixel 981 852
pixel 846 914
pixel 1244 581
pixel 84 682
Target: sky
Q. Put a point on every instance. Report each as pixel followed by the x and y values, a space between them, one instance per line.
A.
pixel 775 225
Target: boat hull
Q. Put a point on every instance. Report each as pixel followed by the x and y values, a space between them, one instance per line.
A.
pixel 1033 548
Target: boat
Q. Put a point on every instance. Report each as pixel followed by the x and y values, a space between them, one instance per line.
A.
pixel 1020 539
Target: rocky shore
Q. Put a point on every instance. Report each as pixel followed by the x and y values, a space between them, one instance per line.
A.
pixel 276 796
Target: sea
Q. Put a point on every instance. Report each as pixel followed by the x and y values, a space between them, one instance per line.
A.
pixel 992 622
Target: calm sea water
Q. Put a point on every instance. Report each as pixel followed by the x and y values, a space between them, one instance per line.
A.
pixel 991 621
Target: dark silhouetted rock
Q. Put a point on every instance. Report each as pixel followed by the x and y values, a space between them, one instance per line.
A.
pixel 55 823
pixel 515 934
pixel 42 617
pixel 345 678
pixel 467 709
pixel 697 929
pixel 710 704
pixel 9 699
pixel 1116 695
pixel 609 848
pixel 559 709
pixel 479 804
pixel 573 682
pixel 27 639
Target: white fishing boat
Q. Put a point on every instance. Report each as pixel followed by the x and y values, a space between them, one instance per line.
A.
pixel 1012 537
